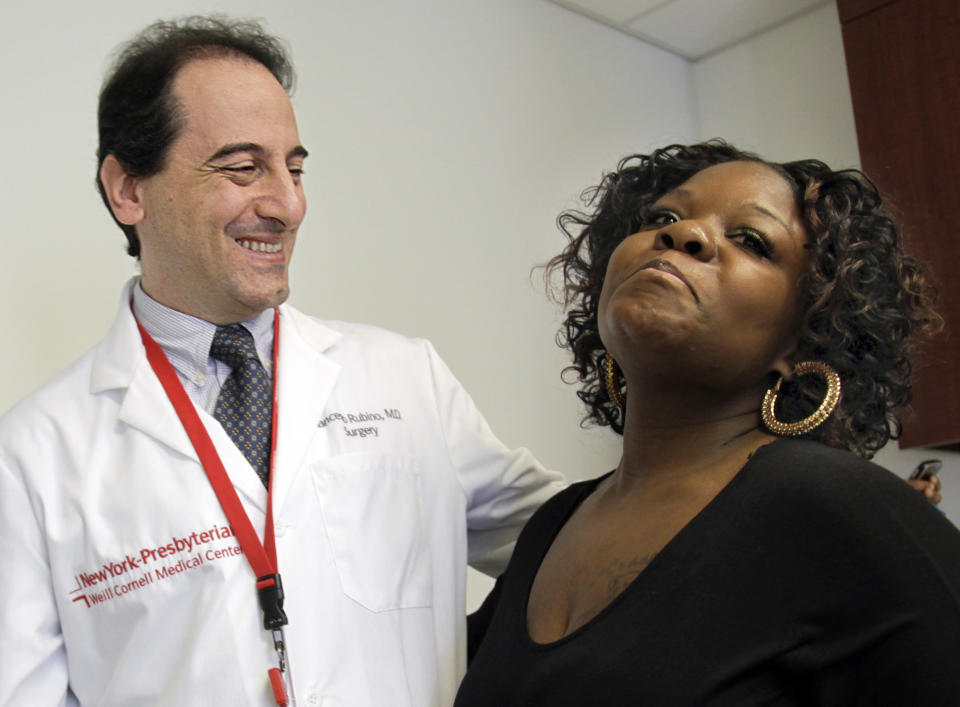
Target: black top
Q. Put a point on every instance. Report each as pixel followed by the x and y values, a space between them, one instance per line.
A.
pixel 813 578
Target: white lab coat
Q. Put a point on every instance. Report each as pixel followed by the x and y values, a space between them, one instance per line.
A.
pixel 121 584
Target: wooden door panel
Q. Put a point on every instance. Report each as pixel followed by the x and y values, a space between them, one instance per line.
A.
pixel 903 60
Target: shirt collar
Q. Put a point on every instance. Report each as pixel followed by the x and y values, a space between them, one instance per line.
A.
pixel 186 340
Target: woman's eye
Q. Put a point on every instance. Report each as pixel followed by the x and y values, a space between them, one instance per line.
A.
pixel 752 241
pixel 662 218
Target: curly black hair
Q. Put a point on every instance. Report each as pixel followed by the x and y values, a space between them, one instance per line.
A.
pixel 138 118
pixel 864 302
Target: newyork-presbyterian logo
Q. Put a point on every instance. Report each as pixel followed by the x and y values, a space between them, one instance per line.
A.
pixel 148 565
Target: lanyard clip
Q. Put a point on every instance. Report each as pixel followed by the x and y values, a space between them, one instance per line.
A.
pixel 281 649
pixel 270 593
pixel 278 676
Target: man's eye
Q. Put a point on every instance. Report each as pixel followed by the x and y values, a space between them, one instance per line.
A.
pixel 237 170
pixel 752 241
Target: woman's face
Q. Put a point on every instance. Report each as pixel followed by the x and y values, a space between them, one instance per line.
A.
pixel 708 288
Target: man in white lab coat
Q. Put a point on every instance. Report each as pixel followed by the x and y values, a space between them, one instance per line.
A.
pixel 125 581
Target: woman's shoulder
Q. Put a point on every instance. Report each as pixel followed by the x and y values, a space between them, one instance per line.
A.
pixel 832 488
pixel 834 491
pixel 797 464
pixel 808 454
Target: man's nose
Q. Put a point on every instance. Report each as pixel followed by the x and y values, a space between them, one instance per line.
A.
pixel 282 198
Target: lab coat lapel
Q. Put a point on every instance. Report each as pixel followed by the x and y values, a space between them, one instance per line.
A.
pixel 145 407
pixel 120 363
pixel 305 380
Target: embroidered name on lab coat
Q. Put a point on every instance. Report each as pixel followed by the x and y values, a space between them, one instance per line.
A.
pixel 155 563
pixel 364 423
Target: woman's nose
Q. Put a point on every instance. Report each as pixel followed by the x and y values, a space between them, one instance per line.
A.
pixel 688 236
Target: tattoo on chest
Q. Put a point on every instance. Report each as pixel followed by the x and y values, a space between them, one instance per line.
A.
pixel 621 572
pixel 608 584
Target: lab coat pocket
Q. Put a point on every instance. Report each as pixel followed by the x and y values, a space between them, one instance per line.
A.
pixel 372 513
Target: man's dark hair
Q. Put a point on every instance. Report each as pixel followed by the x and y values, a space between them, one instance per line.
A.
pixel 138 118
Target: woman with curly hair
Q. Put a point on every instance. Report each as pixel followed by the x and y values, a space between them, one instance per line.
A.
pixel 748 328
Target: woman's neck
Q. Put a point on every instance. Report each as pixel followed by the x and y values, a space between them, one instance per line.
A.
pixel 700 443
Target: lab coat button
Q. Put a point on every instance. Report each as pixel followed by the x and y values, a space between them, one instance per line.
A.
pixel 313 699
pixel 279 529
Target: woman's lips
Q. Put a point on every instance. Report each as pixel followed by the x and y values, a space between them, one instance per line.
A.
pixel 669 268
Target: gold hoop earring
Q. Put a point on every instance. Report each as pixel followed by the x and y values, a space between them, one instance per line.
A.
pixel 610 378
pixel 819 416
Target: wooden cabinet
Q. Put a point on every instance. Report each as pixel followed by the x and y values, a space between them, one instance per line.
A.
pixel 903 61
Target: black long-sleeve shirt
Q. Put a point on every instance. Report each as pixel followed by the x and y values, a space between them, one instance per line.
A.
pixel 813 578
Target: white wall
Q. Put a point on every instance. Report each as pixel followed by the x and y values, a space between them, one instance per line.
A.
pixel 445 136
pixel 785 95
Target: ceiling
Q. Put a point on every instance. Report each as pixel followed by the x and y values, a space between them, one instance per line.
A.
pixel 691 28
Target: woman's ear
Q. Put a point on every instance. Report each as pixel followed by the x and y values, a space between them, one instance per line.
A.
pixel 783 363
pixel 123 192
pixel 784 368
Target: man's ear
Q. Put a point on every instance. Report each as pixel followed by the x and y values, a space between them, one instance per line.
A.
pixel 123 192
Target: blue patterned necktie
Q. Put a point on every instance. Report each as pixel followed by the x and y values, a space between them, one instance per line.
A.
pixel 245 404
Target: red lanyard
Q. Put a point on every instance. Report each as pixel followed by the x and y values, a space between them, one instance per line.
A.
pixel 261 556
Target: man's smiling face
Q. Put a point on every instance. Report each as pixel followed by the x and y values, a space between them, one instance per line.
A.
pixel 220 220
